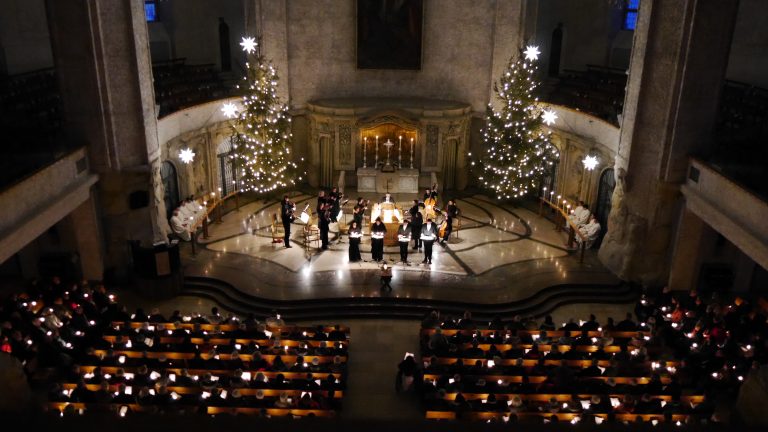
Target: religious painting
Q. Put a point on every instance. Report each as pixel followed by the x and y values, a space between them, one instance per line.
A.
pixel 389 34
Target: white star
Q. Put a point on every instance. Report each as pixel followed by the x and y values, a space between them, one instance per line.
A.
pixel 549 116
pixel 531 52
pixel 229 109
pixel 248 44
pixel 590 162
pixel 187 155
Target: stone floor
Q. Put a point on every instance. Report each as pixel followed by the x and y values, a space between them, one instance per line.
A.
pixel 500 254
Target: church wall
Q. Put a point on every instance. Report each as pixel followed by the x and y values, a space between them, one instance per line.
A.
pixel 748 61
pixel 591 33
pixel 24 39
pixel 190 28
pixel 458 42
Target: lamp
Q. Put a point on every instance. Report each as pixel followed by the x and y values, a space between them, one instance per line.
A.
pixel 590 162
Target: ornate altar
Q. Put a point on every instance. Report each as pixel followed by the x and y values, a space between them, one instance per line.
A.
pixel 388 144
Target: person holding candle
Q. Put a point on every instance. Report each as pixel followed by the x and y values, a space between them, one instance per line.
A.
pixel 403 239
pixel 355 235
pixel 377 240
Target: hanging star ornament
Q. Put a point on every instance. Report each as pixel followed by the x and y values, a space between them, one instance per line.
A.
pixel 590 162
pixel 229 109
pixel 187 155
pixel 248 44
pixel 549 117
pixel 531 52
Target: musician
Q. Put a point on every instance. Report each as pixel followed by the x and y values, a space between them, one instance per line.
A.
pixel 429 206
pixel 403 239
pixel 335 199
pixel 451 212
pixel 359 211
pixel 355 235
pixel 417 220
pixel 387 199
pixel 377 240
pixel 323 218
pixel 430 193
pixel 428 237
pixel 286 215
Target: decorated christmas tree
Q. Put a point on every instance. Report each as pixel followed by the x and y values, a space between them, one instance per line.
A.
pixel 518 152
pixel 261 129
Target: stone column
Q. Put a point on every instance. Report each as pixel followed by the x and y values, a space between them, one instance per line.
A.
pixel 102 60
pixel 87 231
pixel 678 63
pixel 692 235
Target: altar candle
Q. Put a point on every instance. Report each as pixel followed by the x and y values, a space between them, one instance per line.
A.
pixel 365 146
pixel 377 152
pixel 400 153
pixel 544 193
pixel 411 152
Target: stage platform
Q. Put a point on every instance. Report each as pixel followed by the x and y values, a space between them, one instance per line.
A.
pixel 504 259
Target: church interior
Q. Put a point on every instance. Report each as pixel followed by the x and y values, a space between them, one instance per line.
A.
pixel 411 214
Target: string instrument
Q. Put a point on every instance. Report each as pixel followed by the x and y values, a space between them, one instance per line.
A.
pixel 443 227
pixel 291 212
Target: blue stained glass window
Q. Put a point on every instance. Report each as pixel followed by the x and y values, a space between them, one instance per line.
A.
pixel 630 20
pixel 630 14
pixel 150 11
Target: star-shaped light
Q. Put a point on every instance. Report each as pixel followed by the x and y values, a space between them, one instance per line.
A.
pixel 248 44
pixel 549 116
pixel 229 109
pixel 531 52
pixel 590 162
pixel 187 155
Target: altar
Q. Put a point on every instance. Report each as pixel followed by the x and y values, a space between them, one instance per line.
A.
pixel 401 181
pixel 395 145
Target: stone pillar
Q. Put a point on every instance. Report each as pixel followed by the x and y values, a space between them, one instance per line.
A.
pixel 86 227
pixel 687 253
pixel 274 40
pixel 102 60
pixel 678 63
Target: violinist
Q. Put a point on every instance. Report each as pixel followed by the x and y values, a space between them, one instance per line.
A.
pixel 287 209
pixel 323 218
pixel 359 211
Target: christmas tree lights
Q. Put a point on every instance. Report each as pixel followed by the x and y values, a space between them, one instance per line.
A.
pixel 261 129
pixel 518 151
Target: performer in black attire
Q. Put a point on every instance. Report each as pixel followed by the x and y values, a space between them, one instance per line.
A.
pixel 359 211
pixel 323 218
pixel 387 198
pixel 377 244
pixel 335 201
pixel 451 212
pixel 286 215
pixel 403 238
pixel 428 236
pixel 355 234
pixel 417 220
pixel 431 193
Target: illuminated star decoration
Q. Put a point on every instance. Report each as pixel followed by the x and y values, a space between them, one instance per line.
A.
pixel 531 52
pixel 229 109
pixel 590 162
pixel 248 44
pixel 186 155
pixel 549 116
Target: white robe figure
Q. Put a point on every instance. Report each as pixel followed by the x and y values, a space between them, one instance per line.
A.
pixel 180 228
pixel 580 216
pixel 591 231
pixel 195 210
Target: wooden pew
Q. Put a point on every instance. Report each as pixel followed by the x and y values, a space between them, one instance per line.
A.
pixel 563 417
pixel 217 372
pixel 533 362
pixel 271 393
pixel 223 327
pixel 564 397
pixel 174 355
pixel 242 341
pixel 537 379
pixel 550 333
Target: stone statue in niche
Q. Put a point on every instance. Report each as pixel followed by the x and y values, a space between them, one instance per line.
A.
pixel 430 152
pixel 345 144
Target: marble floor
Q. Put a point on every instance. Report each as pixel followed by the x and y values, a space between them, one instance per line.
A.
pixel 500 254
